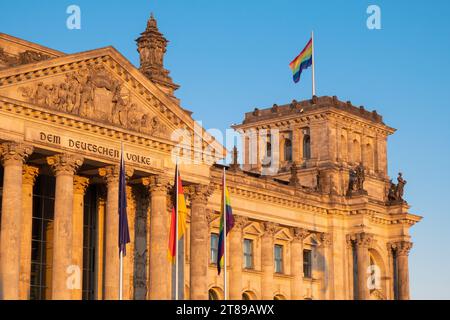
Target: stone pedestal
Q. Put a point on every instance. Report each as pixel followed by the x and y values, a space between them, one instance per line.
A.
pixel 80 185
pixel 159 286
pixel 198 267
pixel 29 176
pixel 267 260
pixel 13 155
pixel 297 289
pixel 65 277
pixel 236 257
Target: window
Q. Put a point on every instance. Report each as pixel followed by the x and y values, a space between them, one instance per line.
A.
pixel 278 258
pixel 307 264
pixel 214 247
pixel 212 295
pixel 287 150
pixel 307 147
pixel 248 254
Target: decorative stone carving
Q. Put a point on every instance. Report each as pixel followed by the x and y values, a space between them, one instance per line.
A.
pixel 199 192
pixel 83 93
pixel 356 181
pixel 157 184
pixel 300 234
pixel 293 180
pixel 240 222
pixel 65 163
pixel 269 229
pixel 395 193
pixel 326 239
pixel 25 57
pixel 29 174
pixel 402 248
pixel 111 173
pixel 12 152
pixel 80 184
pixel 362 239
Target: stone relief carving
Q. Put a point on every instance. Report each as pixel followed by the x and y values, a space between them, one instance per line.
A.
pixel 25 57
pixel 94 94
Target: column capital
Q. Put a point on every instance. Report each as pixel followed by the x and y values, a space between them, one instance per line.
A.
pixel 14 153
pixel 111 173
pixel 300 234
pixel 269 229
pixel 80 184
pixel 362 239
pixel 210 216
pixel 326 239
pixel 65 163
pixel 402 248
pixel 199 192
pixel 157 183
pixel 29 174
pixel 240 222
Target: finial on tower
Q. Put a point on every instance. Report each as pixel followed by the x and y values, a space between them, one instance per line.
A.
pixel 152 47
pixel 234 163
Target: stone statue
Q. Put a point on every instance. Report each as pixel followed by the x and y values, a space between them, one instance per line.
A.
pixel 360 177
pixel 400 186
pixel 356 180
pixel 396 191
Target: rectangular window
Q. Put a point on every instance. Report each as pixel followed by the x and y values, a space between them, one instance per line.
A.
pixel 214 248
pixel 278 258
pixel 307 264
pixel 248 254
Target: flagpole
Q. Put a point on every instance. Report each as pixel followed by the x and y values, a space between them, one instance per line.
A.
pixel 120 248
pixel 225 286
pixel 313 66
pixel 176 234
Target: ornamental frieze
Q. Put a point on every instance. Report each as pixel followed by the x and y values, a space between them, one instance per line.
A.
pixel 93 93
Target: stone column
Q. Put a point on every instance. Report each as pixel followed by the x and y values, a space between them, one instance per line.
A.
pixel 236 254
pixel 363 241
pixel 198 266
pixel 350 268
pixel 267 260
pixel 159 287
pixel 28 178
pixel 13 155
pixel 111 243
pixel 64 167
pixel 297 289
pixel 402 249
pixel 80 185
pixel 128 263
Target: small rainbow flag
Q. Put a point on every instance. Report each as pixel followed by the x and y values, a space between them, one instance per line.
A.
pixel 303 61
pixel 226 206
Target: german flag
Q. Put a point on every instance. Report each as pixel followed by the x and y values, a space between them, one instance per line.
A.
pixel 179 212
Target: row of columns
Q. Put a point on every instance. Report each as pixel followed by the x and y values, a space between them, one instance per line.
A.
pixel 360 243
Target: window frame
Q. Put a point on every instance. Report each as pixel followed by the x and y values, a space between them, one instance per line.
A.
pixel 251 254
pixel 280 260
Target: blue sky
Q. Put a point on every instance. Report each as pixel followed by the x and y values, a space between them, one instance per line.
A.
pixel 232 56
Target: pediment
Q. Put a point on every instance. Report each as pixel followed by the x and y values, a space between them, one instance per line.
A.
pixel 253 228
pixel 100 86
pixel 283 234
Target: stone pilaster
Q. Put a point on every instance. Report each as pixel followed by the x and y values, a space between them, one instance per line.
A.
pixel 362 241
pixel 198 266
pixel 111 243
pixel 128 264
pixel 267 260
pixel 64 167
pixel 402 249
pixel 159 288
pixel 13 155
pixel 350 268
pixel 29 175
pixel 297 288
pixel 80 184
pixel 236 256
pixel 328 268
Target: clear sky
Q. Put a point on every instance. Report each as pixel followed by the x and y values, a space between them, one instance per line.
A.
pixel 232 56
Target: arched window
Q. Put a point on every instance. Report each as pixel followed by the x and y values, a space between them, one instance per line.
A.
pixel 307 147
pixel 279 297
pixel 212 295
pixel 287 150
pixel 248 295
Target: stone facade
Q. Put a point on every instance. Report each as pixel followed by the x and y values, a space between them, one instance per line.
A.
pixel 316 217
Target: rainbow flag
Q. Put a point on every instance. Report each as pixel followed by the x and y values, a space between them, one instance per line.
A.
pixel 179 214
pixel 303 61
pixel 226 206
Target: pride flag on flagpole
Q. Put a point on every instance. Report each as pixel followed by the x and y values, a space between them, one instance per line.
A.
pixel 226 224
pixel 303 61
